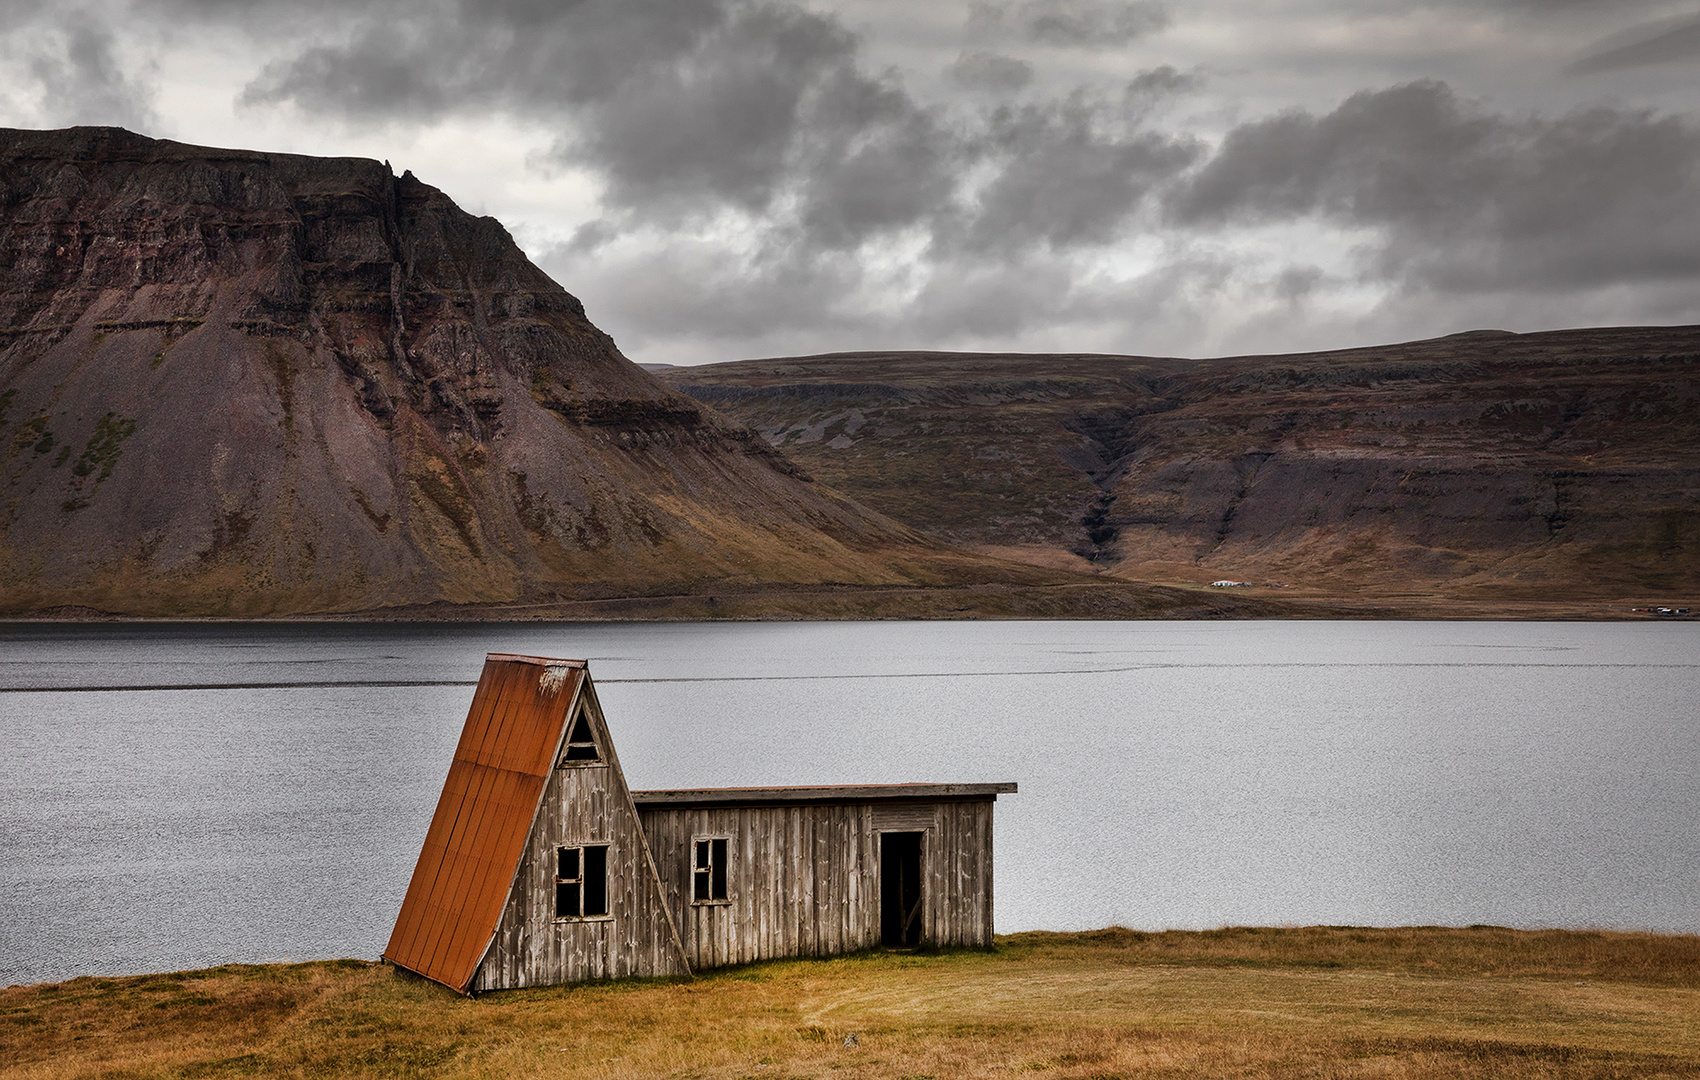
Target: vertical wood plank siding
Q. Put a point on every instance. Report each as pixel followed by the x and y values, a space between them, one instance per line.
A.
pixel 804 880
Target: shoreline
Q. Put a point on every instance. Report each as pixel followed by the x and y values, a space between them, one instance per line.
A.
pixel 1173 942
pixel 1109 602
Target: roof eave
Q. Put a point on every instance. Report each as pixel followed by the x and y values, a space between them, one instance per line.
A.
pixel 792 796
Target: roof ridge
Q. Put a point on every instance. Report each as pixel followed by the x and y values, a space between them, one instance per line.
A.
pixel 546 661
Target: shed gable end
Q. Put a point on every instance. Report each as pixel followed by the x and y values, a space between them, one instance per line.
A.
pixel 586 841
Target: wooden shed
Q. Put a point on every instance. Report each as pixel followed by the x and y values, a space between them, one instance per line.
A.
pixel 541 866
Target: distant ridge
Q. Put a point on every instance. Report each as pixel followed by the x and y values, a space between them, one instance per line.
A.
pixel 1482 466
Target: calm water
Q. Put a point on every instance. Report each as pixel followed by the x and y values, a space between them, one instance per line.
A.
pixel 181 796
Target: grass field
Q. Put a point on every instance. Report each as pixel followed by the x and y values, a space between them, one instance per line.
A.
pixel 1312 1002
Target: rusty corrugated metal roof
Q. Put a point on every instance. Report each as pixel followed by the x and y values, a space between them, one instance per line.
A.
pixel 466 867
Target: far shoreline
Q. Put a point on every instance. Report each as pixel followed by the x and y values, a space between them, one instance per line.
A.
pixel 1107 602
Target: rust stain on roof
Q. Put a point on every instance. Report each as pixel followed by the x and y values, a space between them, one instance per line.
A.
pixel 466 867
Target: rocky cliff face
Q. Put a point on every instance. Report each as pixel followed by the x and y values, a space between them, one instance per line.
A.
pixel 1491 465
pixel 236 383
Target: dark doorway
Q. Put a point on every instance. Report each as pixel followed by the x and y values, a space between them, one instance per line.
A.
pixel 900 889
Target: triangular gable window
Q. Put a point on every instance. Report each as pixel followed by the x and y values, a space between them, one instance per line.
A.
pixel 581 744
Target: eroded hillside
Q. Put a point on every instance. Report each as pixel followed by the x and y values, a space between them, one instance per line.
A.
pixel 1491 465
pixel 237 383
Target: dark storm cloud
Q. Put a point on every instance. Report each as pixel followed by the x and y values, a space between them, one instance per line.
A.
pixel 871 161
pixel 694 107
pixel 1068 178
pixel 682 104
pixel 1467 198
pixel 1071 23
pixel 718 118
pixel 761 177
pixel 397 60
pixel 1663 43
pixel 72 59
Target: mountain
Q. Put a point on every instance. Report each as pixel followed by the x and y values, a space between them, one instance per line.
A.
pixel 247 384
pixel 1484 467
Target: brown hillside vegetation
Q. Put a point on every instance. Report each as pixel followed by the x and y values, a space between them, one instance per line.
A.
pixel 1484 467
pixel 1330 1002
pixel 245 384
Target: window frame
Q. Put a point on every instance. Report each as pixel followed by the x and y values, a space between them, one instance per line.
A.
pixel 700 871
pixel 581 846
pixel 569 747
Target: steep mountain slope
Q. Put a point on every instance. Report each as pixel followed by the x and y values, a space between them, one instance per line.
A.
pixel 237 383
pixel 1488 465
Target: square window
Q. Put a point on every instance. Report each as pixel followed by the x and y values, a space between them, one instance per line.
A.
pixel 581 882
pixel 708 870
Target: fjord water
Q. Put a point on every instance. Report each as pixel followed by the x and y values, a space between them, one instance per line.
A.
pixel 176 796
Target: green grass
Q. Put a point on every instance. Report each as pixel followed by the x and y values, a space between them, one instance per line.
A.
pixel 1319 1002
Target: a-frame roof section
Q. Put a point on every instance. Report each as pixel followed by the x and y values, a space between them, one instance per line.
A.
pixel 506 754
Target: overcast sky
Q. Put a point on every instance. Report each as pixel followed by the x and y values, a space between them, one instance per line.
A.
pixel 720 180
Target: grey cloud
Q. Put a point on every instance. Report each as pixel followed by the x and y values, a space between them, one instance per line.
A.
pixel 1544 5
pixel 246 9
pixel 995 301
pixel 464 55
pixel 692 107
pixel 874 161
pixel 683 302
pixel 684 105
pixel 764 118
pixel 719 121
pixel 20 13
pixel 686 289
pixel 372 78
pixel 990 72
pixel 1068 177
pixel 1662 43
pixel 1296 283
pixel 771 107
pixel 80 78
pixel 591 236
pixel 1152 86
pixel 1468 199
pixel 1069 23
pixel 1557 8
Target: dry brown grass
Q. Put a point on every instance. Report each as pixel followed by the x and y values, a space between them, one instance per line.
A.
pixel 1319 1002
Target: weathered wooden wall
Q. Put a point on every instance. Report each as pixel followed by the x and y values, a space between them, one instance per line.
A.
pixel 803 880
pixel 583 804
pixel 959 872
